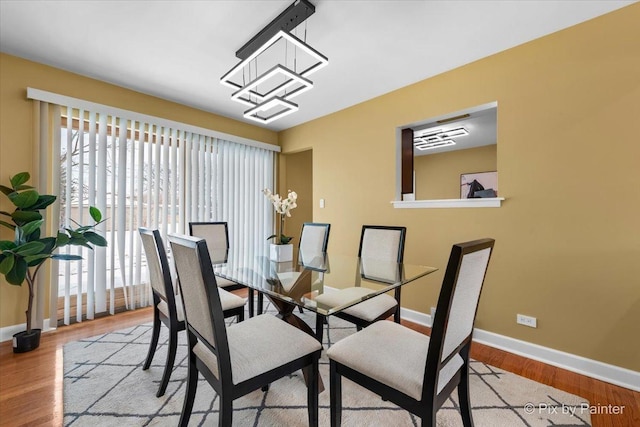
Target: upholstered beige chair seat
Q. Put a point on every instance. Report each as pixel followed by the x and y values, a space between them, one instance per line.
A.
pixel 258 345
pixel 416 372
pixel 229 301
pixel 399 363
pixel 224 283
pixel 368 310
pixel 381 250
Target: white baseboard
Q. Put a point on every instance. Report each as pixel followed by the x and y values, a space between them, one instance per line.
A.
pixel 7 332
pixel 592 368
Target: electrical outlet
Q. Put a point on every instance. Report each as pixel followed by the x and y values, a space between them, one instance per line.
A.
pixel 529 321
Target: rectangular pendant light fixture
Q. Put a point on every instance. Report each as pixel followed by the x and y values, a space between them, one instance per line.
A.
pixel 283 106
pixel 273 89
pixel 320 59
pixel 431 145
pixel 437 138
pixel 250 91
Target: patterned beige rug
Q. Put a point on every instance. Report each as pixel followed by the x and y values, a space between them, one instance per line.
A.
pixel 104 385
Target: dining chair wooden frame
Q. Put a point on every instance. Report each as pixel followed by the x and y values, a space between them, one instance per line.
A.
pixel 165 308
pixel 325 240
pixel 392 311
pixel 231 286
pixel 446 362
pixel 210 339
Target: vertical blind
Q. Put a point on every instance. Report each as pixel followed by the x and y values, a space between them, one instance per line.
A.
pixel 142 173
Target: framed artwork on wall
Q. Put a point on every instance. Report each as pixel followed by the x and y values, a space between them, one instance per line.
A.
pixel 478 184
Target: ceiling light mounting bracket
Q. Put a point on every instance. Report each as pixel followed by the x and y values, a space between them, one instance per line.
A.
pixel 292 16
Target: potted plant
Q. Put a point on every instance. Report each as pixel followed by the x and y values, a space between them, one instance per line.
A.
pixel 281 250
pixel 22 257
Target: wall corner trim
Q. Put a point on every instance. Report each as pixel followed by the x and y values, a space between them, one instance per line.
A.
pixel 592 368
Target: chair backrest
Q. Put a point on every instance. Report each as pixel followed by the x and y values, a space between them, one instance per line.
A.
pixel 384 243
pixel 314 239
pixel 198 287
pixel 159 272
pixel 215 233
pixel 457 305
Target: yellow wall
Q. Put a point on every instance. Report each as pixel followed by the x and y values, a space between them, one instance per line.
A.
pixel 567 237
pixel 438 175
pixel 299 170
pixel 16 141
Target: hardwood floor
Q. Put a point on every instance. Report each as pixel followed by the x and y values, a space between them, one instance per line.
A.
pixel 599 393
pixel 31 383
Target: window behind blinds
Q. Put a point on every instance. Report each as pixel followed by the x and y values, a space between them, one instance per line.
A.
pixel 142 172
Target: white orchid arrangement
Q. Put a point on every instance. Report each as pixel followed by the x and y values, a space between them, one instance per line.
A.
pixel 283 208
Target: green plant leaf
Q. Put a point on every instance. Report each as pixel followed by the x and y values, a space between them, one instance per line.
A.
pixel 30 248
pixel 23 217
pixel 33 260
pixel 95 213
pixel 62 239
pixel 272 236
pixel 7 263
pixel 17 274
pixel 20 179
pixel 44 200
pixel 79 241
pixel 49 244
pixel 6 190
pixel 6 224
pixel 32 226
pixel 18 236
pixel 95 238
pixel 24 200
pixel 66 257
pixel 35 235
pixel 7 245
pixel 73 233
pixel 23 187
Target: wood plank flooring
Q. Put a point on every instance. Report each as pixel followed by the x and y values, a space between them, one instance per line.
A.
pixel 31 383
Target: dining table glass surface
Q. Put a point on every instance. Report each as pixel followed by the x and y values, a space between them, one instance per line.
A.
pixel 321 282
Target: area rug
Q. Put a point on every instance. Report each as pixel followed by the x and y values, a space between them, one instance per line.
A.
pixel 104 385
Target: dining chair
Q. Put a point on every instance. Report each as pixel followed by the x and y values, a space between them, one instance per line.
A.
pixel 242 357
pixel 314 238
pixel 167 306
pixel 217 236
pixel 377 243
pixel 414 371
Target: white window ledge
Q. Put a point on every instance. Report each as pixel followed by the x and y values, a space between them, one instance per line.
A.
pixel 489 202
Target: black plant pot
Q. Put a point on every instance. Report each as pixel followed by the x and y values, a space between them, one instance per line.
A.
pixel 23 341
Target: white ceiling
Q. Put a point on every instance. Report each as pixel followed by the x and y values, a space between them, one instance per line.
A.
pixel 178 50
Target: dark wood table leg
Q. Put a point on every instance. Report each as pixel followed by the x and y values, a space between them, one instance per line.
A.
pixel 260 303
pixel 320 321
pixel 250 302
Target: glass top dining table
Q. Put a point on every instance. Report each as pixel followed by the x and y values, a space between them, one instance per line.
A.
pixel 320 282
